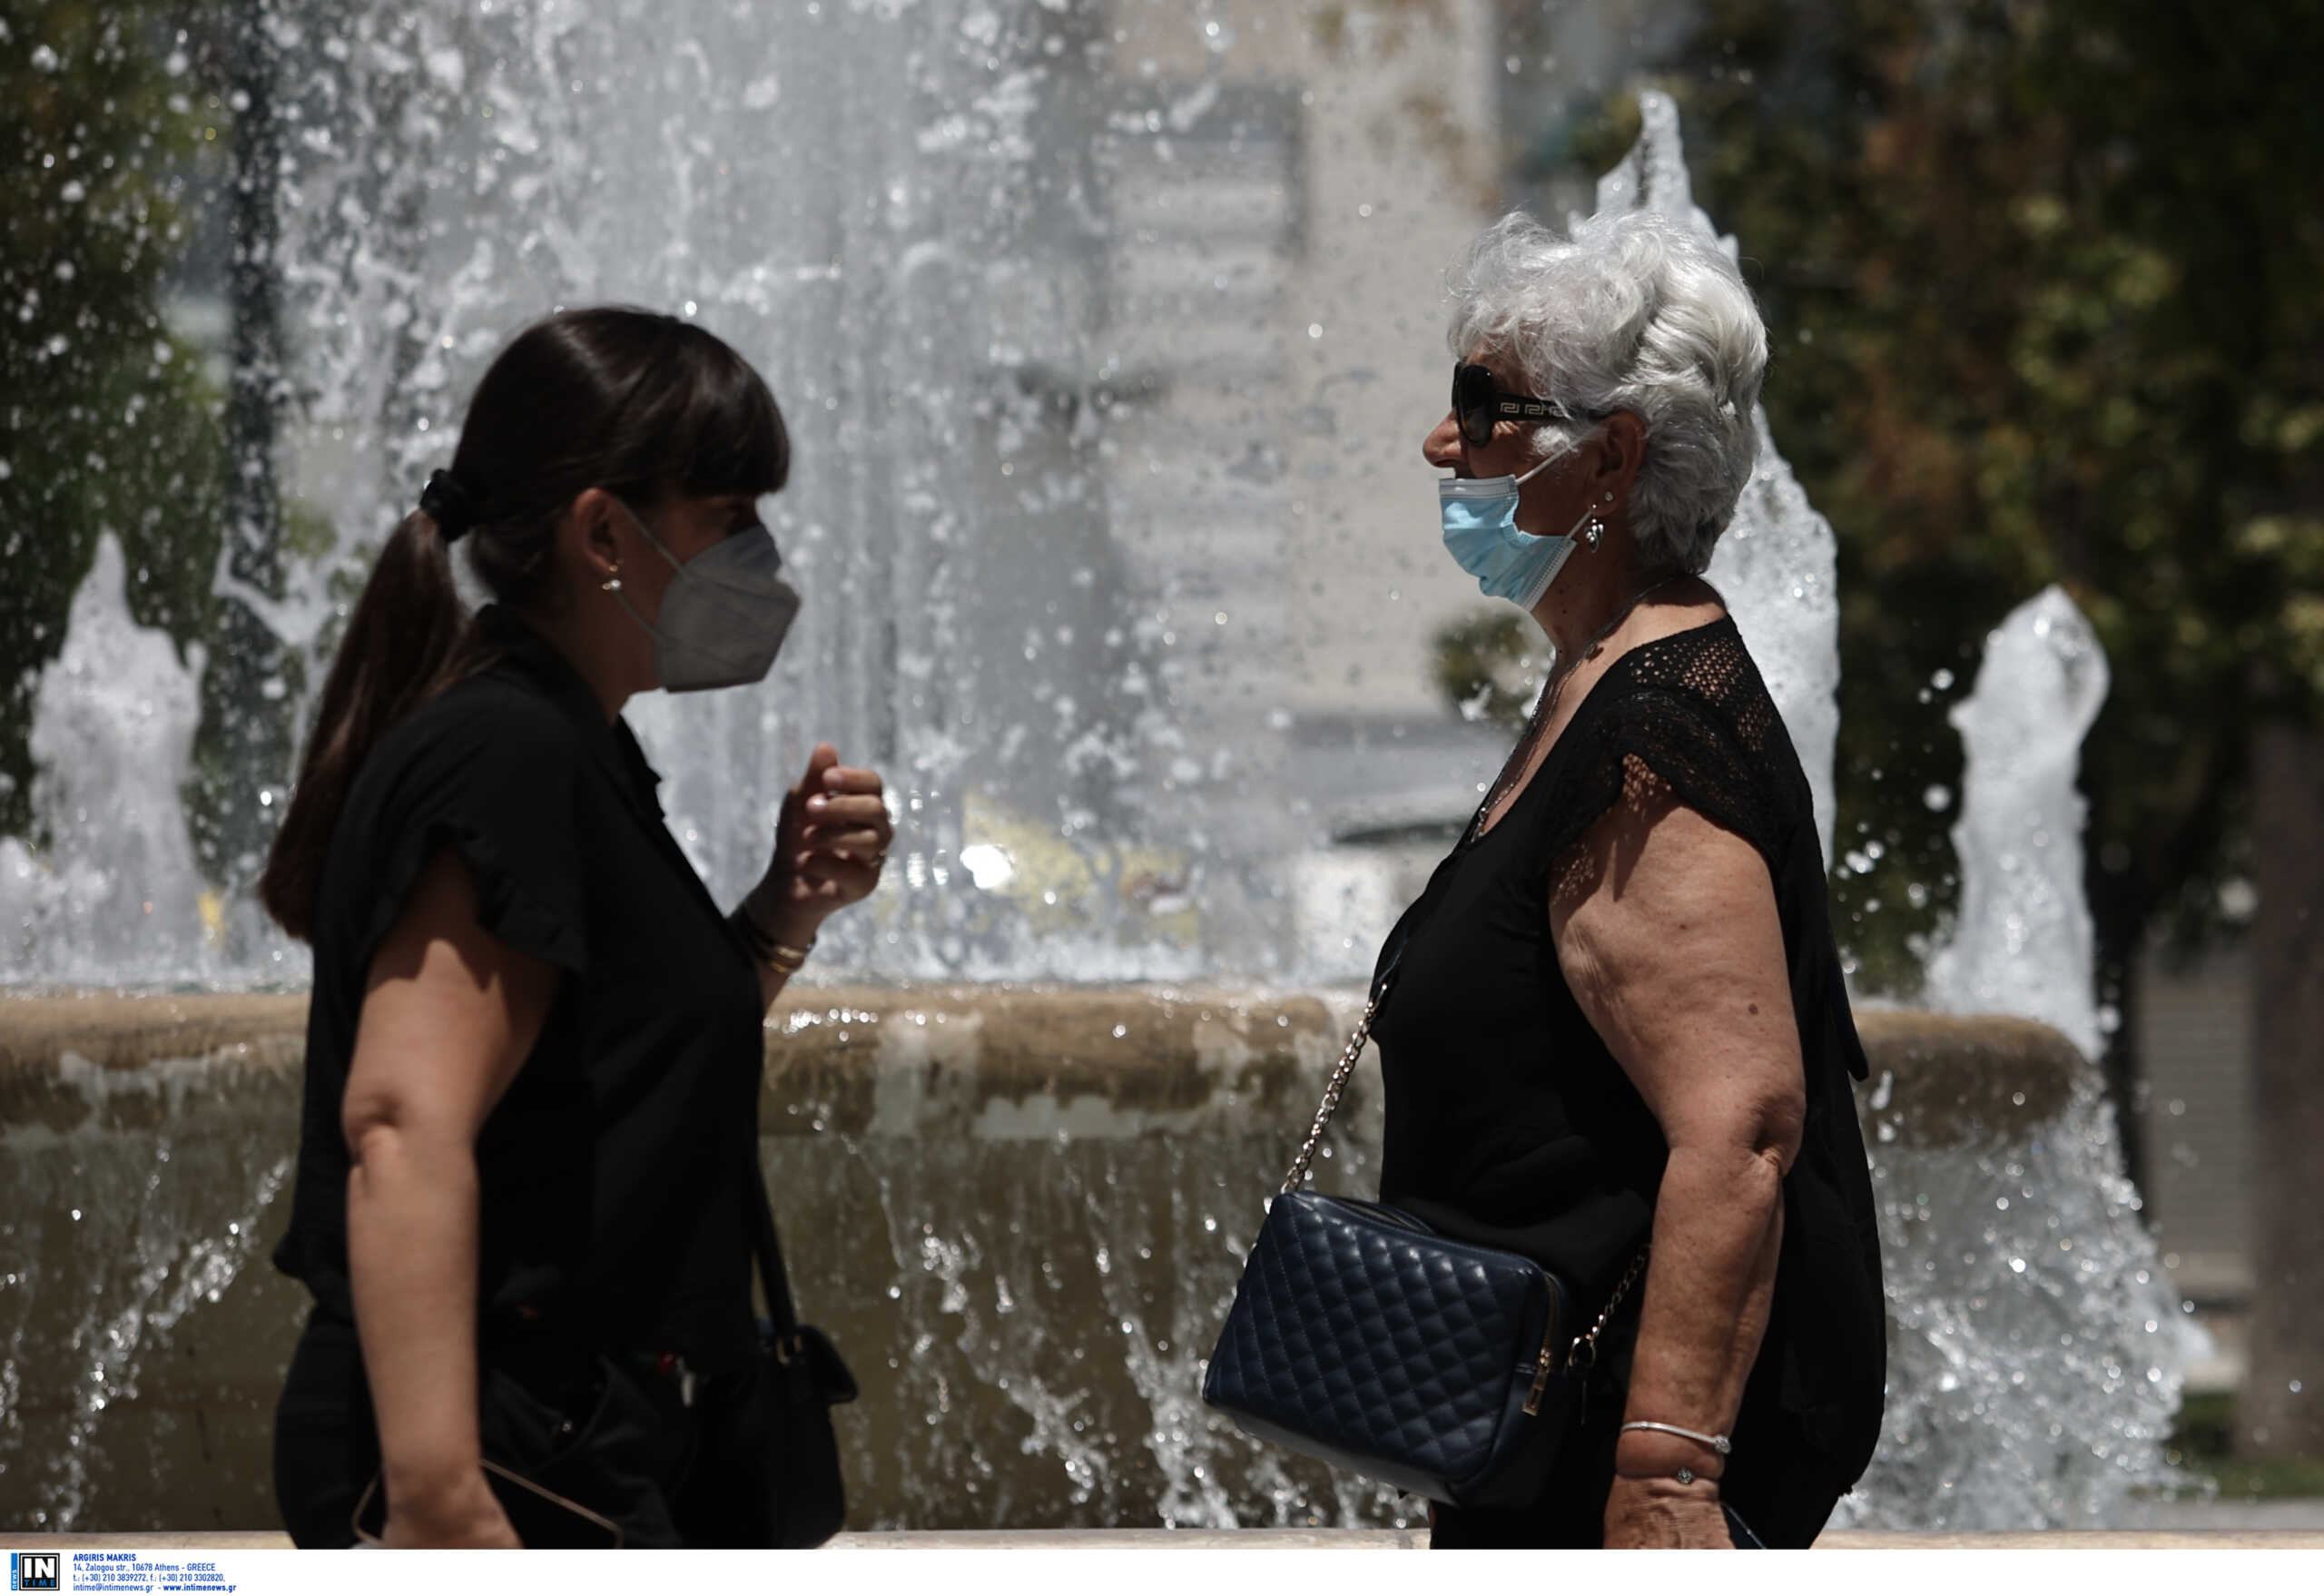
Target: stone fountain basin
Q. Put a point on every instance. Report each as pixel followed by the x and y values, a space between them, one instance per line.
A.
pixel 1019 1210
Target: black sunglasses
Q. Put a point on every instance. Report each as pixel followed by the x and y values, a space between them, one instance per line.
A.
pixel 1478 402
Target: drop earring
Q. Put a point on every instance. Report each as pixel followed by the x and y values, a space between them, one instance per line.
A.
pixel 1595 528
pixel 612 584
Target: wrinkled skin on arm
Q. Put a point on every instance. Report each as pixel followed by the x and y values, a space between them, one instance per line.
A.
pixel 1666 927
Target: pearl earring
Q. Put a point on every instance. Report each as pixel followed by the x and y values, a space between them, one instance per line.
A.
pixel 612 584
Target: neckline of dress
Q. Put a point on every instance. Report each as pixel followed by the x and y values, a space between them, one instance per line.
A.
pixel 1475 836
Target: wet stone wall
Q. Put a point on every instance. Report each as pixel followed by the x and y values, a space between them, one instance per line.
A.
pixel 1019 1211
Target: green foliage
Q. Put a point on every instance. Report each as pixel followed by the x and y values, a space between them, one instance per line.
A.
pixel 1490 665
pixel 2203 1445
pixel 107 421
pixel 2045 280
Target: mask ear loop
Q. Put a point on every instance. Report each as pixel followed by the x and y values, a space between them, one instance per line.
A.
pixel 1536 470
pixel 638 521
pixel 1553 458
pixel 615 587
pixel 1588 518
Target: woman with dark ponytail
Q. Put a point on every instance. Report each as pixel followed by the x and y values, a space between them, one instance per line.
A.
pixel 527 1158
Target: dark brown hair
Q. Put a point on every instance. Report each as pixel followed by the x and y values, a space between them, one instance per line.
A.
pixel 640 404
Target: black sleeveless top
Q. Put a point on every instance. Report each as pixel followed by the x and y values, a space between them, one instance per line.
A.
pixel 611 1202
pixel 1508 1121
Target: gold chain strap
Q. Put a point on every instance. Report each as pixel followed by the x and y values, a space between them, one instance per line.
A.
pixel 1582 1356
pixel 1588 1341
pixel 1338 1083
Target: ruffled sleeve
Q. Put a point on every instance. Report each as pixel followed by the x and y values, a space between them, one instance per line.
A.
pixel 494 774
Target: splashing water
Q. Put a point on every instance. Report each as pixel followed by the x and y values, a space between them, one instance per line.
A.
pixel 2041 1383
pixel 2023 942
pixel 107 1252
pixel 1011 1349
pixel 933 227
pixel 114 720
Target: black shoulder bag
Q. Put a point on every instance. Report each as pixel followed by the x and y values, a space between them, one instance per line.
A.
pixel 788 1415
pixel 1361 1337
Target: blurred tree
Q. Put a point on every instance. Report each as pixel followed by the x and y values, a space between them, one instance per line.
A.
pixel 2045 312
pixel 108 420
pixel 1491 666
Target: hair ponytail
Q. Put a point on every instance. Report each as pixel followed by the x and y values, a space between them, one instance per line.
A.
pixel 609 396
pixel 410 638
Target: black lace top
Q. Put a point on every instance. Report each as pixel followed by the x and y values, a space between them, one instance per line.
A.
pixel 1508 1122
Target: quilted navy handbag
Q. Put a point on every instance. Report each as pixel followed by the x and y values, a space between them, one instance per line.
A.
pixel 1363 1337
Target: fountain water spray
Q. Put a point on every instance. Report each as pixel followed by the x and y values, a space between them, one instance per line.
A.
pixel 113 733
pixel 2044 1382
pixel 2020 941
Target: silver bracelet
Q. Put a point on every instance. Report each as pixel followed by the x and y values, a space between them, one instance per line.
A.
pixel 1717 1443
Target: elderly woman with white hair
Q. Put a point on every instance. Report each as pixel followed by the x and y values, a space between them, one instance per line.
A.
pixel 1617 1039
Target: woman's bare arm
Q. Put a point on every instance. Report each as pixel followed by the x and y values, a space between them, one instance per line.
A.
pixel 1666 927
pixel 450 1015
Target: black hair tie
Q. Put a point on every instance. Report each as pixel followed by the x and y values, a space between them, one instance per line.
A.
pixel 449 505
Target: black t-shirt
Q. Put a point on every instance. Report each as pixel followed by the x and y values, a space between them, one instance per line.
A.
pixel 1508 1120
pixel 612 1200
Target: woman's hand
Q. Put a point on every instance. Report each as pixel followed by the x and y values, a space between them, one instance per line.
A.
pixel 828 846
pixel 463 1513
pixel 1661 1512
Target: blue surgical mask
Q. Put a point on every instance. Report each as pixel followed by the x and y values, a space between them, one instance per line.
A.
pixel 1481 535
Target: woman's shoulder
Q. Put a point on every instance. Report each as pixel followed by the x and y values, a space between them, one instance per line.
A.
pixel 1684 708
pixel 489 732
pixel 494 705
pixel 484 767
pixel 1702 663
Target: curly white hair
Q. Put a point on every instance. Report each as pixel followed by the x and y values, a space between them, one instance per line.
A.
pixel 1634 312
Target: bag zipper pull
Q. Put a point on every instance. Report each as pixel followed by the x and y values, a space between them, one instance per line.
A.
pixel 1542 1372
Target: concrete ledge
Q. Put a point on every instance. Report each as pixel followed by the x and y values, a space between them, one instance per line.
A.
pixel 996 1062
pixel 1946 1079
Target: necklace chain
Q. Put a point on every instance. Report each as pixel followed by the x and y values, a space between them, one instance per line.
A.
pixel 1561 673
